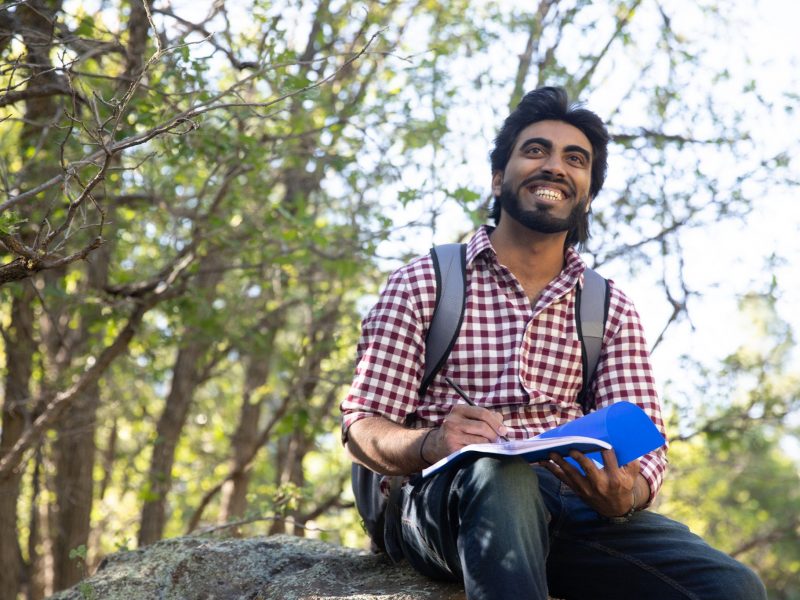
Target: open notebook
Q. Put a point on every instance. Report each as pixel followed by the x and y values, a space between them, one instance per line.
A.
pixel 622 426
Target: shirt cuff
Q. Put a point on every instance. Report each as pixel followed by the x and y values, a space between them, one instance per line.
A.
pixel 653 467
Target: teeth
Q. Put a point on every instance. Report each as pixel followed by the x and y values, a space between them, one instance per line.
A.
pixel 548 194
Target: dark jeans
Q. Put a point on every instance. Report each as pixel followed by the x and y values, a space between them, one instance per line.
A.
pixel 512 531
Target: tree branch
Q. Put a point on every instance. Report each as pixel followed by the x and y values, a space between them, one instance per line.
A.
pixel 183 119
pixel 55 88
pixel 56 404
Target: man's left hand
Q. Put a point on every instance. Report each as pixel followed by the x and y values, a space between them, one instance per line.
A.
pixel 609 491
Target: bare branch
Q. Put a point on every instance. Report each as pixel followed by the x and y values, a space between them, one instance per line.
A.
pixel 526 58
pixel 174 125
pixel 55 88
pixel 598 57
pixel 643 132
pixel 783 531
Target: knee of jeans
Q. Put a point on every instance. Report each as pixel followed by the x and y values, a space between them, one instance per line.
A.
pixel 505 478
pixel 744 584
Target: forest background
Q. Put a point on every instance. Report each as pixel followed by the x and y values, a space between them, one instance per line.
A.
pixel 201 199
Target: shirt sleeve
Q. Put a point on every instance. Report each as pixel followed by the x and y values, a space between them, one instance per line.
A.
pixel 389 364
pixel 624 373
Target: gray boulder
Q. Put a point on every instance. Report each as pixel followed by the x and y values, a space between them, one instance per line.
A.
pixel 261 568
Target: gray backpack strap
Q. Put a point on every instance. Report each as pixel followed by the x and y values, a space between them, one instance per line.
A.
pixel 450 265
pixel 591 308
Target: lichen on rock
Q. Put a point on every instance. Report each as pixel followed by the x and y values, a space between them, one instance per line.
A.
pixel 260 568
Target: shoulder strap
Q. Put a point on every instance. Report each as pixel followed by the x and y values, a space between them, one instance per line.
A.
pixel 450 266
pixel 591 311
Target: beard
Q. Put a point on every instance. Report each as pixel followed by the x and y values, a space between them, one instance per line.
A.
pixel 539 219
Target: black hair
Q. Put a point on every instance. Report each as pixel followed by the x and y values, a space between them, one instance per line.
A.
pixel 553 104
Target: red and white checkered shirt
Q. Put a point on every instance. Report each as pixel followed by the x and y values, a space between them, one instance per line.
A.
pixel 520 360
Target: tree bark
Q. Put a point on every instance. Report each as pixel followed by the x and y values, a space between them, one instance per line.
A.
pixel 186 377
pixel 34 22
pixel 75 447
pixel 74 460
pixel 291 451
pixel 19 350
pixel 243 444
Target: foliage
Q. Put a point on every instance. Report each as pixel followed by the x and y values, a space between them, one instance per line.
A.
pixel 735 480
pixel 197 209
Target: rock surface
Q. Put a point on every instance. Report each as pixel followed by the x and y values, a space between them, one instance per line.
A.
pixel 261 568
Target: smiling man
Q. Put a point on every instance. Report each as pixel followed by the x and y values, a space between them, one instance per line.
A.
pixel 553 161
pixel 507 529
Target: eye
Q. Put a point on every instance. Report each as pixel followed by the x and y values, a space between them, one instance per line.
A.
pixel 577 159
pixel 533 150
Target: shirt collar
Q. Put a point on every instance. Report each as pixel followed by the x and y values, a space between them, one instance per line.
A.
pixel 480 244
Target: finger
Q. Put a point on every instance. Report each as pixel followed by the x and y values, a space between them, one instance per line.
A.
pixel 589 467
pixel 571 473
pixel 555 470
pixel 461 431
pixel 479 414
pixel 610 459
pixel 499 427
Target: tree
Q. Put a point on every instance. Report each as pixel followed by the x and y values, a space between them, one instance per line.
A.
pixel 738 488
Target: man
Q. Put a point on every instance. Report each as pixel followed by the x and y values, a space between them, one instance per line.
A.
pixel 507 529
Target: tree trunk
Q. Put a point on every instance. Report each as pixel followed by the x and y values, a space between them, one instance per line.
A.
pixel 75 447
pixel 39 579
pixel 74 459
pixel 291 451
pixel 186 377
pixel 234 491
pixel 19 350
pixel 35 23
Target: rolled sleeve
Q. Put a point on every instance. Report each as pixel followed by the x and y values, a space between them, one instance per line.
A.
pixel 390 354
pixel 624 373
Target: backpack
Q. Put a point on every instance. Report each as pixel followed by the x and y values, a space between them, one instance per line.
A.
pixel 450 267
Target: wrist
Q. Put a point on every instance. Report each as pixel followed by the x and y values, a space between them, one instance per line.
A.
pixel 619 520
pixel 425 437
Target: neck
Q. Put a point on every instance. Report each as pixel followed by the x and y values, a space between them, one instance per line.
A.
pixel 534 258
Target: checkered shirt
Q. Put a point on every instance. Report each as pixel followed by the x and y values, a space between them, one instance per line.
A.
pixel 521 360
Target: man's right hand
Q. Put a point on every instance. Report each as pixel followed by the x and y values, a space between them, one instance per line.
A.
pixel 463 426
pixel 392 449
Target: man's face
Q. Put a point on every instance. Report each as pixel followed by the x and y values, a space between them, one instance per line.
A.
pixel 545 185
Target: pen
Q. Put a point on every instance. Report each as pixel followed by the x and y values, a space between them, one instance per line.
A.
pixel 466 398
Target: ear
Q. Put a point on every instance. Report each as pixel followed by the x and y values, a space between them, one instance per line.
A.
pixel 589 203
pixel 497 183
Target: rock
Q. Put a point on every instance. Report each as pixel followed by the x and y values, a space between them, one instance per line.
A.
pixel 261 568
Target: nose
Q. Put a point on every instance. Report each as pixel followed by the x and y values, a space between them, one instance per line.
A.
pixel 554 164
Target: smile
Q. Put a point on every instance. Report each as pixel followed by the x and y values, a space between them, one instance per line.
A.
pixel 546 193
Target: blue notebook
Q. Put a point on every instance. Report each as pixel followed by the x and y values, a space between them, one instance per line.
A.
pixel 622 426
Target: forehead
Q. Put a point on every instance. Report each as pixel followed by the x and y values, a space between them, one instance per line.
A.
pixel 558 133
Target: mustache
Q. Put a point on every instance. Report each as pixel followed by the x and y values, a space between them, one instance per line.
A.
pixel 546 178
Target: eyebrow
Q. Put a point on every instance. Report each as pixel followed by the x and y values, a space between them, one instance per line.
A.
pixel 544 142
